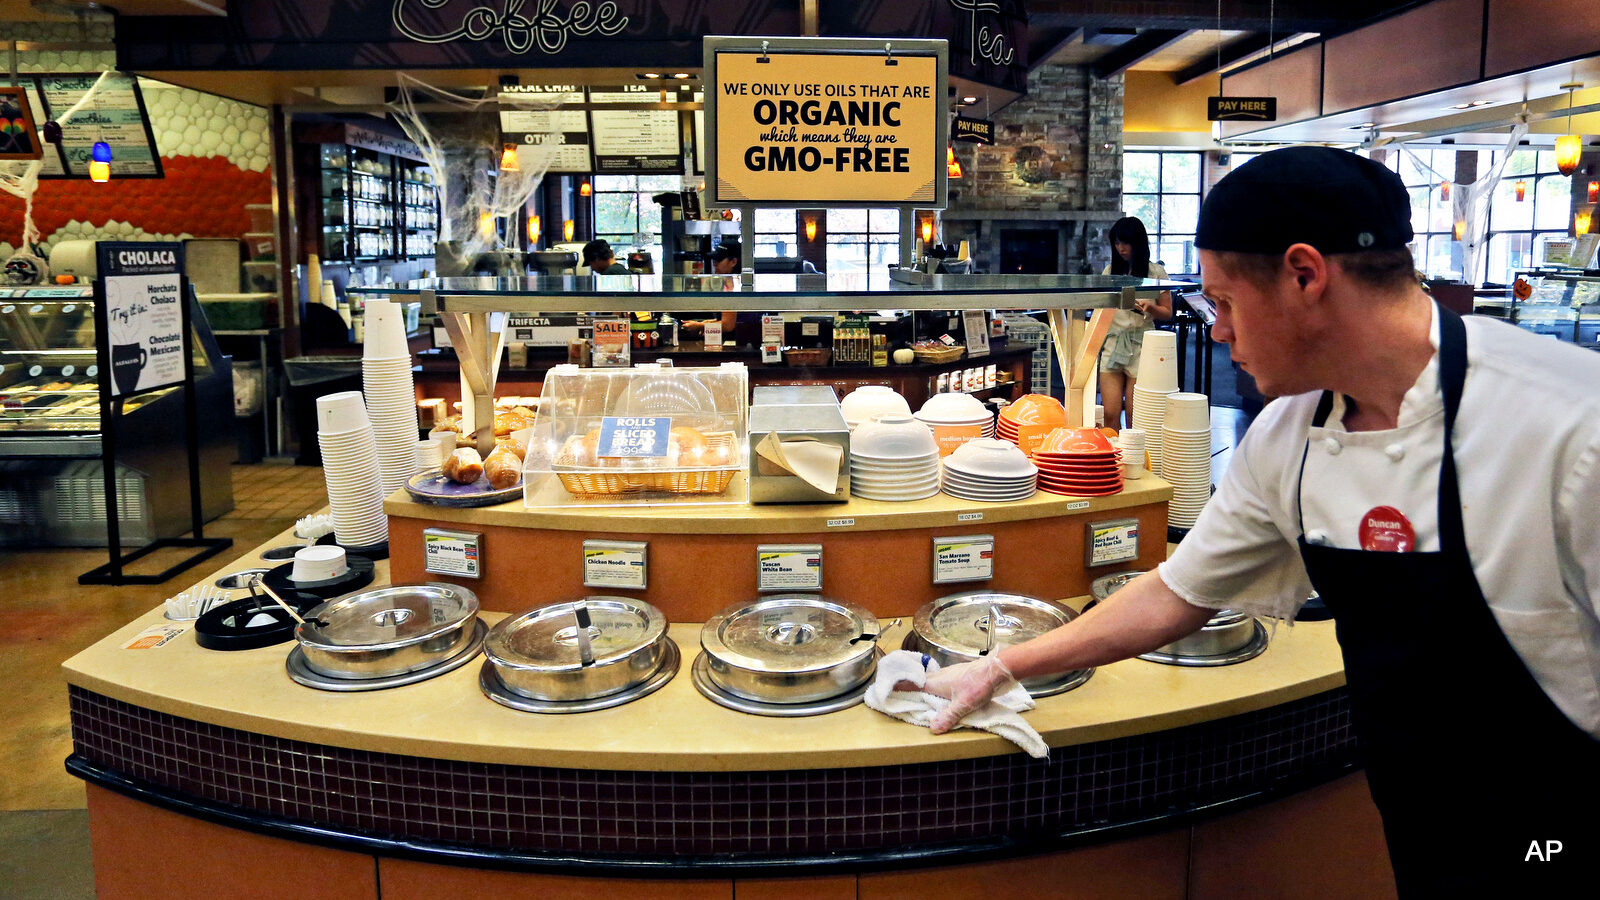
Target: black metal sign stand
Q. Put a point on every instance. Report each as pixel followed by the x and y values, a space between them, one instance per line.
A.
pixel 111 411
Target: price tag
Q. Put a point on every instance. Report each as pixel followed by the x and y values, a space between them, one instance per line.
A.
pixel 155 636
pixel 634 436
pixel 1116 541
pixel 1079 504
pixel 615 564
pixel 447 552
pixel 969 517
pixel 841 523
pixel 968 558
pixel 789 567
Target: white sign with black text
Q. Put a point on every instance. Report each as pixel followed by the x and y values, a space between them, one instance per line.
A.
pixel 966 558
pixel 789 567
pixel 616 564
pixel 143 297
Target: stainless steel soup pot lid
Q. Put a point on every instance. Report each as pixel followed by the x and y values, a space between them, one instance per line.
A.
pixel 1106 585
pixel 973 622
pixel 790 634
pixel 546 639
pixel 387 618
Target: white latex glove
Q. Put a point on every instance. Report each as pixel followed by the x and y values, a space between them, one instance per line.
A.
pixel 968 686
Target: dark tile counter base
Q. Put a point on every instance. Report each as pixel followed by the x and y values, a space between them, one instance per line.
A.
pixel 861 817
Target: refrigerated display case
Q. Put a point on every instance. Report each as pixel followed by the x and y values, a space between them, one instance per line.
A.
pixel 52 489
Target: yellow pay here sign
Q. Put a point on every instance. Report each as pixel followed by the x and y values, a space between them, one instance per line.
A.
pixel 819 128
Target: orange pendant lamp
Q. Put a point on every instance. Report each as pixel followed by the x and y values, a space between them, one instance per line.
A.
pixel 951 164
pixel 1569 147
pixel 508 159
pixel 534 230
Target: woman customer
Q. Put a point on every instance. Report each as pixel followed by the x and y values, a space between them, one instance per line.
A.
pixel 1119 360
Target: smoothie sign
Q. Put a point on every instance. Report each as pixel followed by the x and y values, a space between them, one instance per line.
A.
pixel 143 314
pixel 826 128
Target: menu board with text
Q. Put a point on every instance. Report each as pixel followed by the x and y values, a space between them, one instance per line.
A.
pixel 634 141
pixel 562 122
pixel 115 115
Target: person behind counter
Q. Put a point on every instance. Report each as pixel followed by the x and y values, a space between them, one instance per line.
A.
pixel 1119 361
pixel 725 260
pixel 1437 481
pixel 602 260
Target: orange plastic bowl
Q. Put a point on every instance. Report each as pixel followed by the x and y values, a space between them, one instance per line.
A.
pixel 1075 441
pixel 1035 409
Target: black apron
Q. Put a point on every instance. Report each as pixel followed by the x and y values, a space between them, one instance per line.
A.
pixel 1469 761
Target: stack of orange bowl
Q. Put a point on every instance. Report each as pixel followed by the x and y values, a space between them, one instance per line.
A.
pixel 1027 421
pixel 1078 462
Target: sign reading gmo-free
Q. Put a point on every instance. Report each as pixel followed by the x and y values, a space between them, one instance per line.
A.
pixel 820 128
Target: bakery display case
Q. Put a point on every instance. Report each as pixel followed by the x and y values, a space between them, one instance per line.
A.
pixel 51 440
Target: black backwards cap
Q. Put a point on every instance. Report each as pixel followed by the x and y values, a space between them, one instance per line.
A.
pixel 1334 200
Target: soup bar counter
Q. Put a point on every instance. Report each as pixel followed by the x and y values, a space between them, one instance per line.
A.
pixel 227 773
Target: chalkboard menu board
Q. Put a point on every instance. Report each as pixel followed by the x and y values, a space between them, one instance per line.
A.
pixel 591 138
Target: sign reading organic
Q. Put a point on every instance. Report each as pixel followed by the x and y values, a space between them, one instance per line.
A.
pixel 142 309
pixel 823 128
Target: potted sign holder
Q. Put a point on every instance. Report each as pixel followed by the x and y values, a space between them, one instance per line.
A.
pixel 144 343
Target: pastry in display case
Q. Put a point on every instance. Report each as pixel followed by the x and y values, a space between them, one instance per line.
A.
pixel 50 430
pixel 649 434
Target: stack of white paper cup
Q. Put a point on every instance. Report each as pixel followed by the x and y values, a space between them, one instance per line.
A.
pixel 1186 456
pixel 1131 441
pixel 430 454
pixel 391 399
pixel 350 468
pixel 1158 377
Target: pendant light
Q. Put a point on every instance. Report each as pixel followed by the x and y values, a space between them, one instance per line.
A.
pixel 1582 220
pixel 508 159
pixel 534 230
pixel 1594 192
pixel 1569 147
pixel 1444 190
pixel 100 153
pixel 567 229
pixel 951 164
pixel 585 189
pixel 1522 190
pixel 811 227
pixel 926 230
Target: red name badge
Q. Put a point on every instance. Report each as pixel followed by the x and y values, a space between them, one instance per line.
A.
pixel 1387 530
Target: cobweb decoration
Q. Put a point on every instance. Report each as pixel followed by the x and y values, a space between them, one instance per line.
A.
pixel 459 136
pixel 20 178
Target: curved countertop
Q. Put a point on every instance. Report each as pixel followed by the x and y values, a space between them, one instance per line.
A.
pixel 674 729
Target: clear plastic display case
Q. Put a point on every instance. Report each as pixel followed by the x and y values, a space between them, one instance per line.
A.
pixel 700 461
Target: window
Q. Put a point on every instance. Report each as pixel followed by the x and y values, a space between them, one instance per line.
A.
pixel 861 241
pixel 1162 190
pixel 775 233
pixel 1519 228
pixel 626 217
pixel 1435 249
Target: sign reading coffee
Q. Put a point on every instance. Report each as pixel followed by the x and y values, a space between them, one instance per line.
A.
pixel 142 314
pixel 825 127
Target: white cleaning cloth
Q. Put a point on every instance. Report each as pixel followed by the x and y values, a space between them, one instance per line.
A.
pixel 998 716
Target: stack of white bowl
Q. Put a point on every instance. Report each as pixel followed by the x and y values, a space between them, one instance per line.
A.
pixel 1158 377
pixel 350 468
pixel 1131 442
pixel 391 400
pixel 989 470
pixel 1186 456
pixel 869 400
pixel 893 457
pixel 956 419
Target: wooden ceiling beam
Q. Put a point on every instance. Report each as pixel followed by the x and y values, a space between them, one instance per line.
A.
pixel 1142 46
pixel 1231 52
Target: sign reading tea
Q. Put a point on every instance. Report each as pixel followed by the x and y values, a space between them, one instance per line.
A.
pixel 818 128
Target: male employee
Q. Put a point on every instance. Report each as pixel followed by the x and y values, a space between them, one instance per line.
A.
pixel 602 260
pixel 1437 481
pixel 725 260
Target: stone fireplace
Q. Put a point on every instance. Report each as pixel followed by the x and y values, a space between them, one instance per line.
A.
pixel 1013 241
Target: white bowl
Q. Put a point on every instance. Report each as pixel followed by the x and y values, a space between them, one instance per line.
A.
pixel 986 456
pixel 889 436
pixel 861 404
pixel 952 409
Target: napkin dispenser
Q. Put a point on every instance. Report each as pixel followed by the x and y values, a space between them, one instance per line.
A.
pixel 798 450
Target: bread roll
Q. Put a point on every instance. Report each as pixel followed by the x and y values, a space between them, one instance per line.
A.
pixel 513 445
pixel 464 466
pixel 503 467
pixel 507 422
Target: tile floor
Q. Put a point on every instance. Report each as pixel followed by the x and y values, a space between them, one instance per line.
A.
pixel 46 617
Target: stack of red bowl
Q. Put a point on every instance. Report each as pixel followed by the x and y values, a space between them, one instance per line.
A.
pixel 1078 462
pixel 1027 421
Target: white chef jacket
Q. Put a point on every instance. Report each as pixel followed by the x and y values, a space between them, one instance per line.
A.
pixel 1527 449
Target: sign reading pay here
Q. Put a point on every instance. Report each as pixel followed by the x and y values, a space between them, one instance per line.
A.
pixel 824 128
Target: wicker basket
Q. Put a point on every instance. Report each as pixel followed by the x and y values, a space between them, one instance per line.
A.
pixel 609 483
pixel 810 356
pixel 937 354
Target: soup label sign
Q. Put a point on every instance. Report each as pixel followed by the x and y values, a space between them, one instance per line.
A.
pixel 142 309
pixel 828 128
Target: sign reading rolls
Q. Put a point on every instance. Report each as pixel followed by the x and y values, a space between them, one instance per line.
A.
pixel 820 129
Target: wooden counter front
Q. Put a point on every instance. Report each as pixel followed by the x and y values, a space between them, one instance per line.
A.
pixel 703 558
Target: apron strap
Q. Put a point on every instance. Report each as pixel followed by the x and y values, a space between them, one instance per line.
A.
pixel 1318 419
pixel 1452 380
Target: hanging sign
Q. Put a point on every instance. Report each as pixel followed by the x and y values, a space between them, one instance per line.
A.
pixel 19 136
pixel 115 115
pixel 634 141
pixel 823 122
pixel 1242 109
pixel 975 131
pixel 561 125
pixel 141 314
